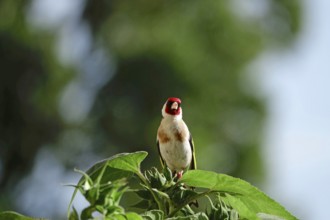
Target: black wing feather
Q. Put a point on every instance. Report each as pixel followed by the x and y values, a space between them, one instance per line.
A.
pixel 193 165
pixel 160 155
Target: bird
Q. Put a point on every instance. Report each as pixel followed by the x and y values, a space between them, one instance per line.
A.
pixel 174 141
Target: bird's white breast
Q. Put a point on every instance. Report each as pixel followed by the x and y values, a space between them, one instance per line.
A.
pixel 175 148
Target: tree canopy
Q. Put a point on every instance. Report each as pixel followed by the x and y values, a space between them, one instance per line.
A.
pixel 150 50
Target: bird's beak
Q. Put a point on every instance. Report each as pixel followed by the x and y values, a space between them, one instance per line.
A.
pixel 175 105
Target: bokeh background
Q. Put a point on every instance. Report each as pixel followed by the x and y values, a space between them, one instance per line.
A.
pixel 81 80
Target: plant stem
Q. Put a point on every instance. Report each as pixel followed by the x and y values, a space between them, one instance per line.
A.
pixel 145 182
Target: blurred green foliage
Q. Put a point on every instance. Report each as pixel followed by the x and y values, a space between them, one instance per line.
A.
pixel 196 50
pixel 24 124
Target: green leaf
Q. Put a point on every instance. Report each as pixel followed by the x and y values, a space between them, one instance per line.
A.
pixel 161 194
pixel 237 204
pixel 87 212
pixel 156 179
pixel 118 166
pixel 264 216
pixel 74 214
pixel 252 198
pixel 116 217
pixel 10 215
pixel 133 216
pixel 128 161
pixel 197 216
pixel 153 215
pixel 183 196
pixel 167 173
pixel 114 168
pixel 142 204
pixel 144 194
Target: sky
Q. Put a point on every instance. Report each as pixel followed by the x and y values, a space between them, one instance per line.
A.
pixel 294 81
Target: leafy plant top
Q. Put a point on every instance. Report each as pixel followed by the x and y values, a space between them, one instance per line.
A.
pixel 161 196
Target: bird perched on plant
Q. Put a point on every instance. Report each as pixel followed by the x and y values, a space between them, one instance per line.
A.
pixel 174 141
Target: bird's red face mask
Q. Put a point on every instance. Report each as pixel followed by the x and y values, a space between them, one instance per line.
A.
pixel 173 106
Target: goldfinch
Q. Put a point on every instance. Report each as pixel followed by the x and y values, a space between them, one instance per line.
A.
pixel 174 141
